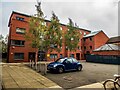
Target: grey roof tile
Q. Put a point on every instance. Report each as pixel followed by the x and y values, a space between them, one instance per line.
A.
pixel 108 47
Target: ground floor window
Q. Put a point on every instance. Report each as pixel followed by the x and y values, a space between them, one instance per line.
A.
pixel 53 56
pixel 18 56
pixel 72 55
pixel 61 56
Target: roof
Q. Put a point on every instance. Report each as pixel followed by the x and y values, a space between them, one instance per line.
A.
pixel 108 47
pixel 92 34
pixel 14 12
pixel 114 39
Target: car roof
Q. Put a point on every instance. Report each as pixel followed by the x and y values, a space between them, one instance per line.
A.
pixel 66 57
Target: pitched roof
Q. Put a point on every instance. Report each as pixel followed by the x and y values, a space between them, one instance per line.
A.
pixel 92 34
pixel 14 12
pixel 108 47
pixel 114 39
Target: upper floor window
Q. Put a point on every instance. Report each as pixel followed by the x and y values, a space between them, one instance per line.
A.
pixel 84 39
pixel 90 38
pixel 19 18
pixel 20 30
pixel 84 33
pixel 85 47
pixel 60 28
pixel 17 42
pixel 78 47
pixel 90 47
pixel 80 32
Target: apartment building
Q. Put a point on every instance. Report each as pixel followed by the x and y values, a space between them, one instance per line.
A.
pixel 19 50
pixel 93 41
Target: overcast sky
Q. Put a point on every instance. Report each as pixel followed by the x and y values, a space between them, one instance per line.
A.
pixel 88 14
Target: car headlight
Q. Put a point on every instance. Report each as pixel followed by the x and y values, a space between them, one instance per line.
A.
pixel 55 65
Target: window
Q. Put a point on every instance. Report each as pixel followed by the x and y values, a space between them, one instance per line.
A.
pixel 84 33
pixel 90 47
pixel 72 55
pixel 44 23
pixel 72 38
pixel 61 37
pixel 60 28
pixel 80 32
pixel 84 39
pixel 78 47
pixel 53 55
pixel 20 30
pixel 55 46
pixel 18 56
pixel 90 38
pixel 66 47
pixel 19 18
pixel 61 56
pixel 17 42
pixel 85 47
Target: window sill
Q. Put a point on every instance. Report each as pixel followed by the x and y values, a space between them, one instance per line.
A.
pixel 18 59
pixel 18 45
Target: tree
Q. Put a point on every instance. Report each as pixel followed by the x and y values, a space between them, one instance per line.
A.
pixel 72 36
pixel 54 35
pixel 3 44
pixel 37 30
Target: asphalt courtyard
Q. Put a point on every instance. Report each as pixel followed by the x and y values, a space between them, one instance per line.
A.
pixel 91 73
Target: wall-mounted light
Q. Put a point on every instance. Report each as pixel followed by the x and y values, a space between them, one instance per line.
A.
pixel 13 47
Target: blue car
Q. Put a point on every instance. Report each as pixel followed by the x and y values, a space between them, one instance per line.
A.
pixel 64 64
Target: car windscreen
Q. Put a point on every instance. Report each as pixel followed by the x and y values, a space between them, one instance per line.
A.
pixel 60 60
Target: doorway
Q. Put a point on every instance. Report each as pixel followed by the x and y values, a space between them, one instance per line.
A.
pixel 41 56
pixel 78 56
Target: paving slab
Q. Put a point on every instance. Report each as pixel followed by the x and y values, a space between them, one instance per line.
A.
pixel 22 77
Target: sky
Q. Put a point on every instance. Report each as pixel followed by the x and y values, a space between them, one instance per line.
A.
pixel 92 15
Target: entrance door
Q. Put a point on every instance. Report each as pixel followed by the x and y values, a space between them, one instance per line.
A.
pixel 78 56
pixel 41 56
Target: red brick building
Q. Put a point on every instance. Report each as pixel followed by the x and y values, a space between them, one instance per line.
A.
pixel 92 41
pixel 19 50
pixel 112 47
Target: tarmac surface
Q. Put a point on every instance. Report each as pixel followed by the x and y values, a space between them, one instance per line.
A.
pixel 20 76
pixel 92 73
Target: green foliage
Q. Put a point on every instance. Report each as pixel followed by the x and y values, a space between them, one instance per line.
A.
pixel 3 44
pixel 37 29
pixel 43 36
pixel 53 36
pixel 72 36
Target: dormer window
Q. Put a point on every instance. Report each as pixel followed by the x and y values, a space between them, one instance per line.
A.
pixel 19 18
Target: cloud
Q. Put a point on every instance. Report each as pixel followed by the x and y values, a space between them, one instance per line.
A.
pixel 92 15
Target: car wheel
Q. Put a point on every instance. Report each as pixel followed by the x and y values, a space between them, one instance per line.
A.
pixel 79 68
pixel 60 70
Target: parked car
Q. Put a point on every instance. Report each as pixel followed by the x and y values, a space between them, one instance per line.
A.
pixel 64 64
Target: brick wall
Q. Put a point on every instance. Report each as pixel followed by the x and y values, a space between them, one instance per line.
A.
pixel 26 49
pixel 107 53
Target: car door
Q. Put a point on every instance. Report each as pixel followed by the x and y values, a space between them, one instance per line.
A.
pixel 74 62
pixel 68 64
